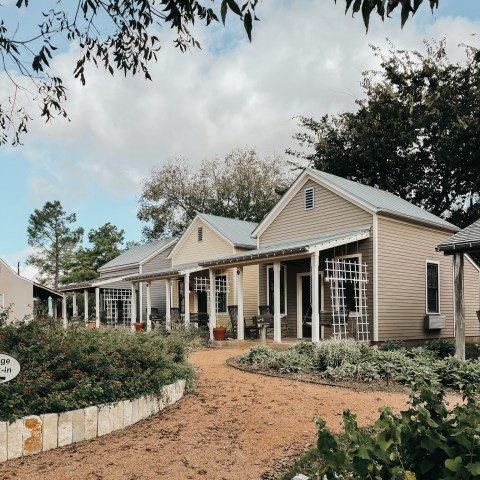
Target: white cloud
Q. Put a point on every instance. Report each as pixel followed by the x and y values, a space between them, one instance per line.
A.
pixel 27 271
pixel 306 58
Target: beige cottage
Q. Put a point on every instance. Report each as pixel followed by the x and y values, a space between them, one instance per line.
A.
pixel 193 289
pixel 339 258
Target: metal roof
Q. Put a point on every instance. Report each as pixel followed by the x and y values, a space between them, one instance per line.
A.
pixel 137 254
pixel 380 200
pixel 466 240
pixel 166 272
pixel 305 245
pixel 238 232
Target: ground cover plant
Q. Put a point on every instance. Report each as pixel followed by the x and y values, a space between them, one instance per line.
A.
pixel 348 360
pixel 66 369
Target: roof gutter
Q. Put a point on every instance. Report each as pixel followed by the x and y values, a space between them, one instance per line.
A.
pixel 462 247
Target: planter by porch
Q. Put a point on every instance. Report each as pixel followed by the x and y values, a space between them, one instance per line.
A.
pixel 219 333
pixel 139 326
pixel 92 324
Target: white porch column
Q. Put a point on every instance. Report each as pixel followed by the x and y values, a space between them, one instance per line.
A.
pixel 75 307
pixel 85 305
pixel 315 302
pixel 277 326
pixel 459 306
pixel 64 310
pixel 134 307
pixel 187 299
pixel 140 302
pixel 240 319
pixel 168 303
pixel 97 307
pixel 213 314
pixel 149 305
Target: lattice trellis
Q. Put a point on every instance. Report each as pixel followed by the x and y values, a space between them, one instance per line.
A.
pixel 348 286
pixel 202 284
pixel 117 306
pixel 220 288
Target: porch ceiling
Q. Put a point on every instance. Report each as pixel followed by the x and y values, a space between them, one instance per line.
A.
pixel 293 249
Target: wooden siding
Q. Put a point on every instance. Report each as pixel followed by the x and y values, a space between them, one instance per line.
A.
pixel 158 294
pixel 331 213
pixel 120 272
pixel 472 300
pixel 403 250
pixel 212 246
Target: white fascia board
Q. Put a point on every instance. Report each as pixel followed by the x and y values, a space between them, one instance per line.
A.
pixel 160 250
pixel 338 242
pixel 99 283
pixel 470 259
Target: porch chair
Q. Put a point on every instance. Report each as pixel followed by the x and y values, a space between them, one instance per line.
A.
pixel 266 310
pixel 251 330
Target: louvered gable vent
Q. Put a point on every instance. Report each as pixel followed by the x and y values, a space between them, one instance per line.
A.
pixel 309 198
pixel 200 234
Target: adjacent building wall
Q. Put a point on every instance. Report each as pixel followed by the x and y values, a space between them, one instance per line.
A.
pixel 472 298
pixel 17 293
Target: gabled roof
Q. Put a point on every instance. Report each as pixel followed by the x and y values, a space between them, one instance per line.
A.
pixel 370 199
pixel 166 272
pixel 466 240
pixel 138 254
pixel 237 232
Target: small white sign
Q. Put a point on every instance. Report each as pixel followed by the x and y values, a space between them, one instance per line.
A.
pixel 9 368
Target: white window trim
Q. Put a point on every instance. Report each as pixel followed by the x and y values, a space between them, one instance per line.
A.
pixel 427 261
pixel 360 297
pixel 284 286
pixel 305 190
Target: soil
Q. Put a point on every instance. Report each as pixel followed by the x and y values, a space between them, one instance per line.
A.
pixel 237 425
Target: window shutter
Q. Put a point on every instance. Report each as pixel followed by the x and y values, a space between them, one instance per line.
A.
pixel 309 200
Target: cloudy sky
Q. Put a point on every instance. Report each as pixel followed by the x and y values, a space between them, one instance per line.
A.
pixel 306 58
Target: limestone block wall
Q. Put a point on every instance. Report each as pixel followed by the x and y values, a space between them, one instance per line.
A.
pixel 39 433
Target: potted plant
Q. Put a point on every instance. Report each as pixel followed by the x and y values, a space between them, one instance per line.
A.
pixel 139 326
pixel 219 333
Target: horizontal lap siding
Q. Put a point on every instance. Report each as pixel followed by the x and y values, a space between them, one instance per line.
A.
pixel 331 213
pixel 191 250
pixel 403 250
pixel 121 272
pixel 18 293
pixel 471 297
pixel 158 262
pixel 250 291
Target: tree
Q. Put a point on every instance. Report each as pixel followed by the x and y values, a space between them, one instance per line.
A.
pixel 106 244
pixel 118 36
pixel 243 186
pixel 416 134
pixel 50 232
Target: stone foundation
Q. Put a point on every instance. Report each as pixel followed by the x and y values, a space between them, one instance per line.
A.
pixel 35 434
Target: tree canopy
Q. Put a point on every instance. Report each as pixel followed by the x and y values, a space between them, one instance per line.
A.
pixel 116 36
pixel 416 133
pixel 243 186
pixel 52 234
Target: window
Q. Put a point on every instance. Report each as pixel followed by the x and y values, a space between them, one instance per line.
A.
pixel 308 198
pixel 181 295
pixel 221 293
pixel 283 289
pixel 2 301
pixel 433 293
pixel 350 270
pixel 200 234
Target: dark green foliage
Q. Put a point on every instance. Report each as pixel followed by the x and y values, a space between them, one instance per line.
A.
pixel 427 441
pixel 441 348
pixel 415 134
pixel 391 345
pixel 74 368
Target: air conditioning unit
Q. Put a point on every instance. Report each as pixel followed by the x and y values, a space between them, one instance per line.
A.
pixel 434 322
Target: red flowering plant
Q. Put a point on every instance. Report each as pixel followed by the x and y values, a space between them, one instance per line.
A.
pixel 68 369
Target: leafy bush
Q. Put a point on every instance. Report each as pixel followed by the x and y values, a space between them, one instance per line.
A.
pixel 427 441
pixel 440 347
pixel 333 353
pixel 74 368
pixel 259 355
pixel 391 345
pixel 291 361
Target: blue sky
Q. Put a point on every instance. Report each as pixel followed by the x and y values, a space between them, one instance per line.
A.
pixel 306 58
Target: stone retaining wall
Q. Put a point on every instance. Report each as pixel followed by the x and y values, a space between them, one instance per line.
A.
pixel 39 433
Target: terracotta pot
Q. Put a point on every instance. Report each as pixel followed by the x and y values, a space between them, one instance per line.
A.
pixel 138 326
pixel 219 333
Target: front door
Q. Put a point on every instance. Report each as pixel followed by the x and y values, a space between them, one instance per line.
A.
pixel 304 303
pixel 202 302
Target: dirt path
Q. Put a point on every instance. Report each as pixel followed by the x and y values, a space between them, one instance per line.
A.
pixel 238 425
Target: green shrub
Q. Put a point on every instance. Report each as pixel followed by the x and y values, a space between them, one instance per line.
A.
pixel 259 355
pixel 427 441
pixel 74 368
pixel 332 353
pixel 291 361
pixel 472 351
pixel 391 345
pixel 440 347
